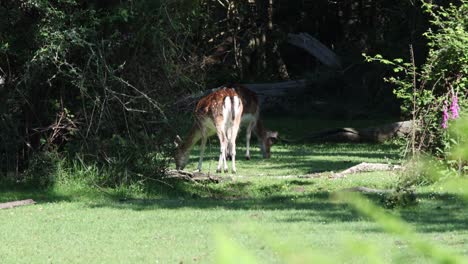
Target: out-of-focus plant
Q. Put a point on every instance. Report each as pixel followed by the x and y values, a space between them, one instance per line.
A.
pixel 362 251
pixel 459 154
pixel 228 251
pixel 393 225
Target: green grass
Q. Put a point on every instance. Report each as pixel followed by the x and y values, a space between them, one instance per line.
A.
pixel 98 228
pixel 301 158
pixel 272 219
pixel 297 159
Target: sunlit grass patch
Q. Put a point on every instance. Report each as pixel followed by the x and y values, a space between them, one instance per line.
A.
pixel 275 219
pixel 291 159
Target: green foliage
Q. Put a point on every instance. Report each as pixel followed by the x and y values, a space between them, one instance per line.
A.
pixel 448 56
pixel 125 163
pixel 426 90
pixel 90 78
pixel 42 171
pixel 401 197
pixel 427 170
pixel 460 132
pixel 421 171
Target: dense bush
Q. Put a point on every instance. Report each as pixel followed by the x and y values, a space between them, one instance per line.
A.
pixel 95 79
pixel 433 93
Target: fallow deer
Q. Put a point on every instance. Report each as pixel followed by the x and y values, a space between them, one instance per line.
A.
pixel 251 118
pixel 219 112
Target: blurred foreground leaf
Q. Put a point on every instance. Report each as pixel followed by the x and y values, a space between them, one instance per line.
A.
pixel 394 225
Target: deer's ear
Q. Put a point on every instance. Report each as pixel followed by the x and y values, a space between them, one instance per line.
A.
pixel 177 141
pixel 273 134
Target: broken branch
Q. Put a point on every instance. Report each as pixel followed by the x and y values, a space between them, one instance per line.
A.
pixel 366 167
pixel 16 203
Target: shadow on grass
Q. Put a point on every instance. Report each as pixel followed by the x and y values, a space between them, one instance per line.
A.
pixel 364 150
pixel 438 213
pixel 9 194
pixel 317 205
pixel 435 213
pixel 313 158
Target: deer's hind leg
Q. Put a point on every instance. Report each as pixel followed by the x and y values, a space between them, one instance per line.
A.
pixel 232 142
pixel 229 145
pixel 236 122
pixel 223 147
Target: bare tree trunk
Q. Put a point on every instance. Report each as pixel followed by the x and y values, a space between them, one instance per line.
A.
pixel 274 54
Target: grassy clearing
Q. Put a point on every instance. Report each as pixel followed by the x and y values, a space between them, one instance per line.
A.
pixel 299 159
pixel 297 215
pixel 268 217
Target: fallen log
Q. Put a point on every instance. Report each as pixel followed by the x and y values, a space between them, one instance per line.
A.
pixel 195 176
pixel 371 134
pixel 16 203
pixel 362 189
pixel 203 177
pixel 305 176
pixel 366 167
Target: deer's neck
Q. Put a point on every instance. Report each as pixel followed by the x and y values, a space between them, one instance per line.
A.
pixel 260 129
pixel 191 139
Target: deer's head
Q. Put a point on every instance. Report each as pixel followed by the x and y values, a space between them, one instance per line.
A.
pixel 181 157
pixel 269 139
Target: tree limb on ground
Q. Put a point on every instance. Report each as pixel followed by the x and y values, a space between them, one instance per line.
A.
pixel 363 189
pixel 366 167
pixel 195 176
pixel 16 203
pixel 203 177
pixel 306 176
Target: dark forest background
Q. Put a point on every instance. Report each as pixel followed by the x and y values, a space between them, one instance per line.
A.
pixel 96 81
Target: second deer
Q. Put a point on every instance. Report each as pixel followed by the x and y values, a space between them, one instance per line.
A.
pixel 222 112
pixel 219 112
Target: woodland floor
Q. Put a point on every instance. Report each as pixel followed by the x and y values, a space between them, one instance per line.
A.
pixel 255 214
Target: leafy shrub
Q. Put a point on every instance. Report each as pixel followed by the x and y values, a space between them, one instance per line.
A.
pixel 42 170
pixel 81 72
pixel 126 163
pixel 401 197
pixel 433 93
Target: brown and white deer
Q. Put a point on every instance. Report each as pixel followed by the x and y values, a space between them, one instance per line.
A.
pixel 219 112
pixel 251 119
pixel 211 116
